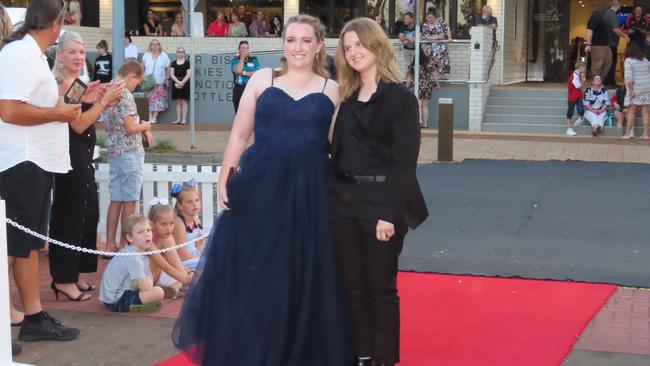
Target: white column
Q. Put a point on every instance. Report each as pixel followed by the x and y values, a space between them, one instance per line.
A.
pixel 291 8
pixel 479 87
pixel 5 317
pixel 105 13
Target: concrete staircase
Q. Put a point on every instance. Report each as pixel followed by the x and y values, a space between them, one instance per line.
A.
pixel 534 110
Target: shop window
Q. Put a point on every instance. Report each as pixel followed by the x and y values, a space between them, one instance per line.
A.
pixel 333 13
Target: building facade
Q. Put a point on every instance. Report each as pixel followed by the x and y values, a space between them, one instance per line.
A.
pixel 537 38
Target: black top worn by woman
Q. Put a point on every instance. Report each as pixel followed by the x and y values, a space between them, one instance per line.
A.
pixel 179 72
pixel 380 137
pixel 75 210
pixel 103 68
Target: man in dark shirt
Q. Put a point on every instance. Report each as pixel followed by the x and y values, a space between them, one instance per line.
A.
pixel 407 32
pixel 636 26
pixel 597 42
pixel 486 19
pixel 243 17
pixel 611 16
pixel 167 24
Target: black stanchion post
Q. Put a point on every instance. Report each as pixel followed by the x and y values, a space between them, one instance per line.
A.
pixel 445 129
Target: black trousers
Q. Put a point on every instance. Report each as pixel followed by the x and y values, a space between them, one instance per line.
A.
pixel 237 92
pixel 610 79
pixel 369 271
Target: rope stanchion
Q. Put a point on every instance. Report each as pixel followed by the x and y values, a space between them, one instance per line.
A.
pixel 99 252
pixel 5 317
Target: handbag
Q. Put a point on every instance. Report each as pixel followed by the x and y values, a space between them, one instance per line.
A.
pixel 149 80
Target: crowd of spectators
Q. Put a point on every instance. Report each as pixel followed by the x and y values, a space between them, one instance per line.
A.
pixel 605 28
pixel 240 23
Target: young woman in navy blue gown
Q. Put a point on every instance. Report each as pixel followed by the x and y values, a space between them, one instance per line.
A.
pixel 267 292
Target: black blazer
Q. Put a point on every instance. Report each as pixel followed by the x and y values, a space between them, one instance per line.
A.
pixel 393 134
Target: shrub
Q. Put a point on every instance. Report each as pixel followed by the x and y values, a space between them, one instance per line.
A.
pixel 164 146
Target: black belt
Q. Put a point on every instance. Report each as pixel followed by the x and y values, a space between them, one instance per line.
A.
pixel 358 179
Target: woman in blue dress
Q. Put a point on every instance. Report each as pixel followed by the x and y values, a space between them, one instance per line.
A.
pixel 266 292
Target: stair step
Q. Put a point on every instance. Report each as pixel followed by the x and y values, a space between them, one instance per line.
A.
pixel 527 93
pixel 524 110
pixel 527 102
pixel 610 132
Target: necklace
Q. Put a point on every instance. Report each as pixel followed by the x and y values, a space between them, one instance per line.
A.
pixel 298 91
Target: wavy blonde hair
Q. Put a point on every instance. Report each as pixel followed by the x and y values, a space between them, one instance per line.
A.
pixel 373 38
pixel 319 32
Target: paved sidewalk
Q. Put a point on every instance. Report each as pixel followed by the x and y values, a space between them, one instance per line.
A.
pixel 210 138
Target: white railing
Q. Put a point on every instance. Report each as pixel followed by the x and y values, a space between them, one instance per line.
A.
pixel 158 181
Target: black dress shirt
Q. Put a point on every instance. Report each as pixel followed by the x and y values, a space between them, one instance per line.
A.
pixel 382 137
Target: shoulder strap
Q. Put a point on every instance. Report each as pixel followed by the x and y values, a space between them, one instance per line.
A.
pixel 272 76
pixel 324 85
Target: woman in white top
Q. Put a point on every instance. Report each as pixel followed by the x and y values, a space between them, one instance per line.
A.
pixel 637 82
pixel 130 50
pixel 595 102
pixel 156 62
pixel 178 29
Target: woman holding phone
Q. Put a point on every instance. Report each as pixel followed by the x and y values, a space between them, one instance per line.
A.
pixel 375 192
pixel 75 208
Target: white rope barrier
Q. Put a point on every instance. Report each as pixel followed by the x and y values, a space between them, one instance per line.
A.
pixel 5 317
pixel 100 252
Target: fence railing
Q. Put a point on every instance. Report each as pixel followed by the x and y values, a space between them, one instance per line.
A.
pixel 158 181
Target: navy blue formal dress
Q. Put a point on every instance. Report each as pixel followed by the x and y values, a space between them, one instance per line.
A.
pixel 266 292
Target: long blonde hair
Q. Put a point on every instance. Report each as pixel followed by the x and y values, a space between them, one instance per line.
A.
pixel 319 32
pixel 5 25
pixel 374 39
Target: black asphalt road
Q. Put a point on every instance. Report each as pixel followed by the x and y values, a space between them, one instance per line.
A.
pixel 545 220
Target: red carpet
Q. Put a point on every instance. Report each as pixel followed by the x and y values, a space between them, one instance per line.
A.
pixel 477 321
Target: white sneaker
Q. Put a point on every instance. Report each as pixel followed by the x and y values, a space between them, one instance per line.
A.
pixel 570 132
pixel 632 134
pixel 578 122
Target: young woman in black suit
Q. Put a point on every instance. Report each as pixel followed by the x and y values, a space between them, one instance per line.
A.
pixel 376 196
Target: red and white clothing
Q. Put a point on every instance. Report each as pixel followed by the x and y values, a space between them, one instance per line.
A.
pixel 217 30
pixel 575 86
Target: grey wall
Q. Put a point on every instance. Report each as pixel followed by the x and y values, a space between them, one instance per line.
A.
pixel 460 96
pixel 214 82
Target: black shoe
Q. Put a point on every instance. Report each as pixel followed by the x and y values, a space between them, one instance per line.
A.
pixel 16 349
pixel 48 329
pixel 363 362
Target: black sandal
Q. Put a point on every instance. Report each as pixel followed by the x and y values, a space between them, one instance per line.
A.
pixel 87 289
pixel 82 296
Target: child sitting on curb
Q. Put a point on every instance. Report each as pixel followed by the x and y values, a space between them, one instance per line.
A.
pixel 188 225
pixel 167 268
pixel 125 286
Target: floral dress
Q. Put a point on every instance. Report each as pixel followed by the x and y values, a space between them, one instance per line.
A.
pixel 434 57
pixel 637 73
